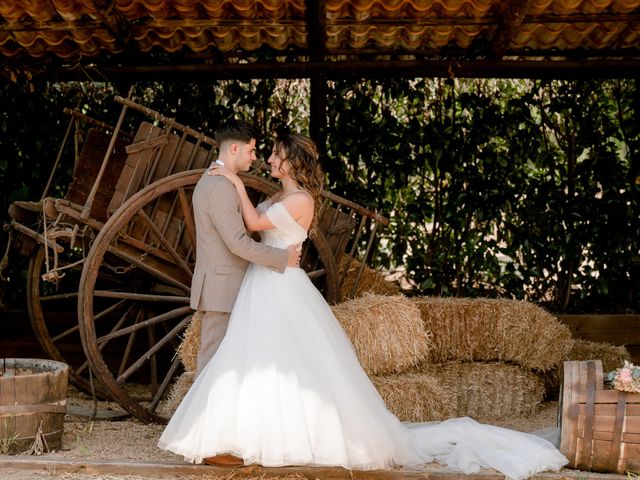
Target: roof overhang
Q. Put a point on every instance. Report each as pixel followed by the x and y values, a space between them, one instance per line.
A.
pixel 199 40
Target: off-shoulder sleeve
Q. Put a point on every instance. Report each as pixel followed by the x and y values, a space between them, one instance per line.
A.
pixel 282 219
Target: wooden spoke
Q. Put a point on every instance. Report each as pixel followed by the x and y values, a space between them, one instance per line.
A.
pixel 145 358
pixel 60 296
pixel 123 318
pixel 144 323
pixel 65 333
pixel 75 328
pixel 109 310
pixel 148 268
pixel 165 382
pixel 153 361
pixel 127 350
pixel 159 235
pixel 82 367
pixel 145 297
pixel 116 327
pixel 188 219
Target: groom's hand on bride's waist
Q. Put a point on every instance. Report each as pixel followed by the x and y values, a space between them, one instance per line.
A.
pixel 294 255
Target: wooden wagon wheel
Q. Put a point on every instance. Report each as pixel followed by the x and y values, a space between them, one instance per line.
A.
pixel 52 313
pixel 149 241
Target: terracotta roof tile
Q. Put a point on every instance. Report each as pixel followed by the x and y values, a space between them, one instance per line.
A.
pixel 412 9
pixel 591 7
pixel 225 38
pixel 406 37
pixel 212 9
pixel 71 29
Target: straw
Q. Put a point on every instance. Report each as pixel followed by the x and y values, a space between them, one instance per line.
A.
pixel 386 332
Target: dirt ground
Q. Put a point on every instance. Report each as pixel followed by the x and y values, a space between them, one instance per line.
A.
pixel 129 440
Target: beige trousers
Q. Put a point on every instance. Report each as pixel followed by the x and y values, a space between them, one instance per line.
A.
pixel 214 326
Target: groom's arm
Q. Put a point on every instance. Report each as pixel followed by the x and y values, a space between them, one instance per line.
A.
pixel 224 210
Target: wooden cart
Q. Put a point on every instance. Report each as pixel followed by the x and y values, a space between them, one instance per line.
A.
pixel 119 248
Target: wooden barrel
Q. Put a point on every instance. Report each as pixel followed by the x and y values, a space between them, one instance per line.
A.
pixel 33 396
pixel 599 429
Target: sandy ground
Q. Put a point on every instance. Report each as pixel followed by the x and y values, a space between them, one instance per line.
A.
pixel 130 440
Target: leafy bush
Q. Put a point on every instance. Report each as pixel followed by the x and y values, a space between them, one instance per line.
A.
pixel 511 188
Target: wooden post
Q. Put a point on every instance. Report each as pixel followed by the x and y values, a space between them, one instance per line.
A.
pixel 316 41
pixel 318 112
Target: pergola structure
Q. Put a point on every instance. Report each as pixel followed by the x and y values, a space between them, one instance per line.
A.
pixel 201 40
pixel 318 39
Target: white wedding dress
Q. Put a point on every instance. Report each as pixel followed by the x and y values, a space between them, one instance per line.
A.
pixel 286 388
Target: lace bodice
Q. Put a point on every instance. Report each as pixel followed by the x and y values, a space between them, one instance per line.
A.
pixel 286 232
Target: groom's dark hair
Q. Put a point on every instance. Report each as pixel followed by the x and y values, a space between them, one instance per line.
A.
pixel 237 130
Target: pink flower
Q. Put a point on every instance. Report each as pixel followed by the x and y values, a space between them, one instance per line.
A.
pixel 625 376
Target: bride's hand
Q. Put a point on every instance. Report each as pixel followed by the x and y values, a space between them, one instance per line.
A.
pixel 225 172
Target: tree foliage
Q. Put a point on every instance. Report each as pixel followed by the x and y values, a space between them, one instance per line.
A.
pixel 523 189
pixel 512 188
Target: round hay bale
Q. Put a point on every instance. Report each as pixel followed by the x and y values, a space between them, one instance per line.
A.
pixel 483 329
pixel 371 281
pixel 488 391
pixel 386 332
pixel 190 345
pixel 612 357
pixel 178 390
pixel 415 397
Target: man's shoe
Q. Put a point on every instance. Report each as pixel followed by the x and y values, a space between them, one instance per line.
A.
pixel 223 461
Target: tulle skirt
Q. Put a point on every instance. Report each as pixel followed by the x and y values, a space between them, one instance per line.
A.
pixel 286 388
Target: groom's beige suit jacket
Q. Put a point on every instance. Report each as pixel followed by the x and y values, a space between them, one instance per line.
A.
pixel 223 248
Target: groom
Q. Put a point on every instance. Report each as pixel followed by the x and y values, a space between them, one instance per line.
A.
pixel 223 248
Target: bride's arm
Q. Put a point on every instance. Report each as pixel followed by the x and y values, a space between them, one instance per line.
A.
pixel 253 219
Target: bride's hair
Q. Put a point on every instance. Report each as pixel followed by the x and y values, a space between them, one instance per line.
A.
pixel 302 154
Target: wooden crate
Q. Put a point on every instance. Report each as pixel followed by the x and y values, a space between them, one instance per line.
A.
pixel 600 429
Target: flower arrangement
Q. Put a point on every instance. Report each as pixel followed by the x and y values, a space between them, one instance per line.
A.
pixel 627 378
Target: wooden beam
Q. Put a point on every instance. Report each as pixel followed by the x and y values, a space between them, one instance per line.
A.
pixel 316 41
pixel 316 32
pixel 58 466
pixel 514 15
pixel 535 69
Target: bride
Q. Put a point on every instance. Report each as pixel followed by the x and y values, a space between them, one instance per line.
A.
pixel 285 386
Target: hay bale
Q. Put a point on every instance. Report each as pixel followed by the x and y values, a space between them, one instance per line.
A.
pixel 371 281
pixel 386 332
pixel 488 391
pixel 190 345
pixel 612 357
pixel 483 329
pixel 415 397
pixel 178 390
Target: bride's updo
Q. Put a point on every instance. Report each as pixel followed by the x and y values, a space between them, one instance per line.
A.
pixel 302 154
